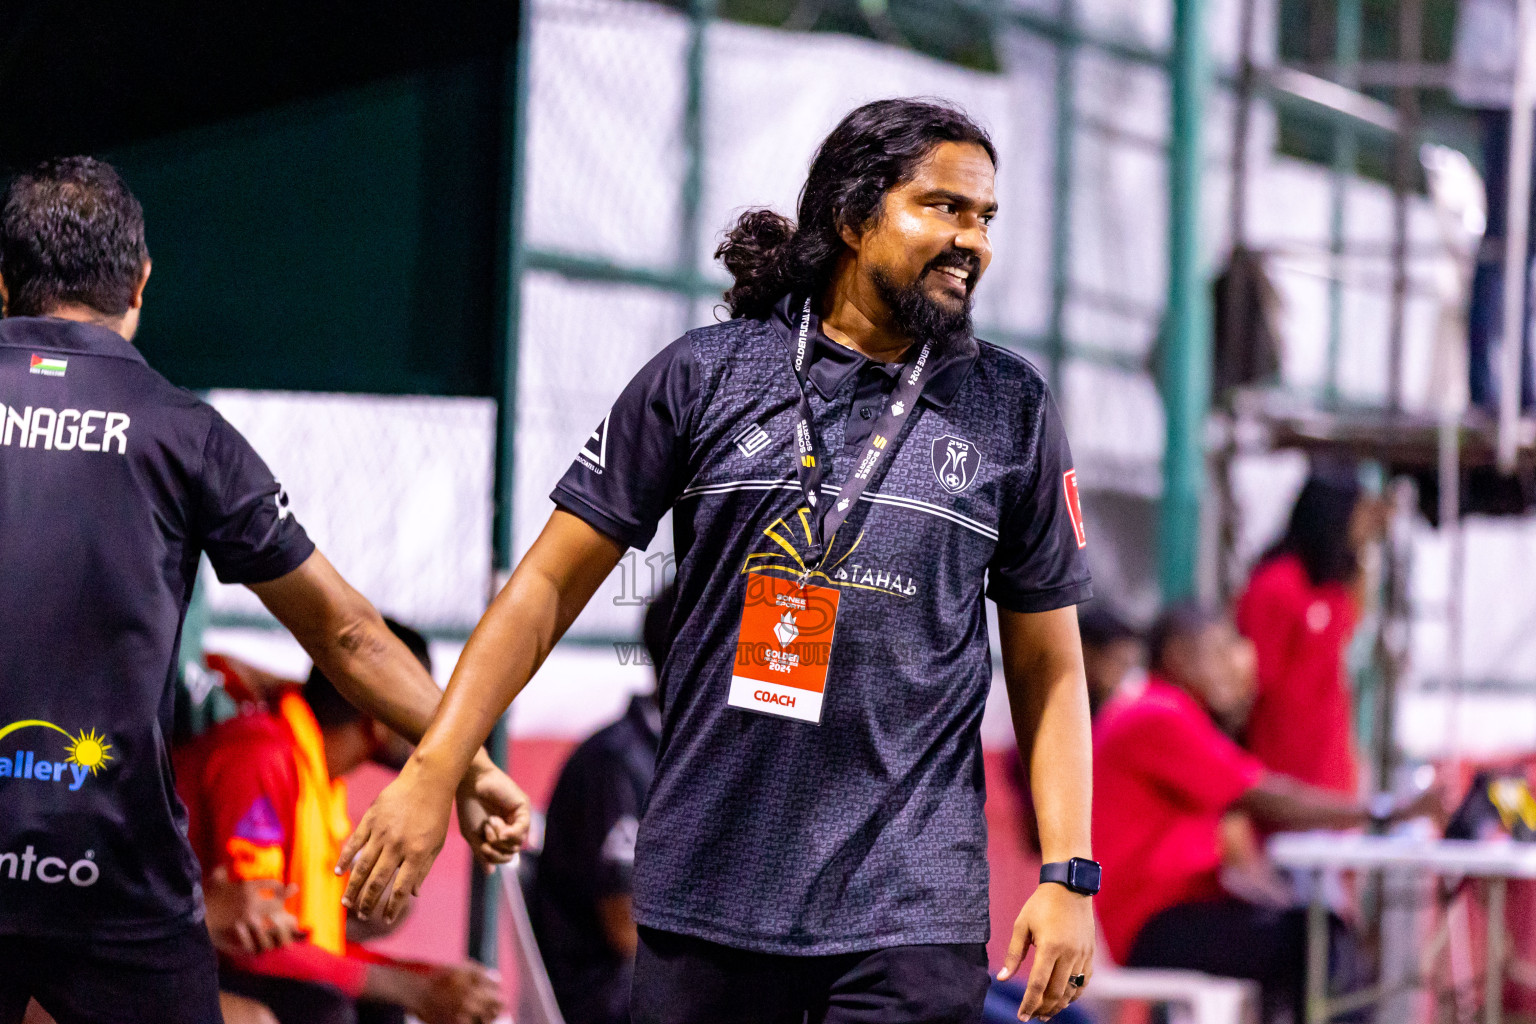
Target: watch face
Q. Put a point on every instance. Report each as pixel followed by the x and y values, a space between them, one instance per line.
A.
pixel 1084 875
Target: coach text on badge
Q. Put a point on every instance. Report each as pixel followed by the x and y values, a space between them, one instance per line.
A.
pixel 784 648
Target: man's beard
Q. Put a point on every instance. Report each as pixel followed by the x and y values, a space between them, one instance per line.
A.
pixel 918 316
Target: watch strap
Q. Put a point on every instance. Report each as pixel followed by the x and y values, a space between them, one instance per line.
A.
pixel 1069 872
pixel 1059 872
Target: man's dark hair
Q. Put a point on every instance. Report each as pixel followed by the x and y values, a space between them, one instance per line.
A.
pixel 1099 625
pixel 1178 621
pixel 874 149
pixel 658 620
pixel 332 710
pixel 1318 530
pixel 71 232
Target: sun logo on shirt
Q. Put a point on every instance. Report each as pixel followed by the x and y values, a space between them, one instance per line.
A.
pixel 89 750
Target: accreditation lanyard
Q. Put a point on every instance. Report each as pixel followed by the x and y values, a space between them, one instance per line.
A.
pixel 812 466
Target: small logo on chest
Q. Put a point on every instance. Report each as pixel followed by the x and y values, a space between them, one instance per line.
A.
pixel 752 440
pixel 955 461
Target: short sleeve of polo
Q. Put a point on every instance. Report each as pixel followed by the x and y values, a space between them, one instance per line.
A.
pixel 1190 758
pixel 632 467
pixel 244 522
pixel 1039 564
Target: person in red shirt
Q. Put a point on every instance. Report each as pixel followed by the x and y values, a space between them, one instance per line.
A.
pixel 1165 776
pixel 1300 610
pixel 266 801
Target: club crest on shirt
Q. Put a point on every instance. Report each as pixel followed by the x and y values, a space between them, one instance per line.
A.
pixel 955 461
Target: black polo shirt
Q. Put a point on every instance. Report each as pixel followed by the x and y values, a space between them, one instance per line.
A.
pixel 867 830
pixel 112 483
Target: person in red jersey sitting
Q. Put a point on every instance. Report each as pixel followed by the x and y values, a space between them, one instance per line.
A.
pixel 1165 776
pixel 266 801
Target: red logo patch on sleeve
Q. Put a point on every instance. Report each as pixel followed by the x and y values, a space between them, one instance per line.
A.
pixel 1074 507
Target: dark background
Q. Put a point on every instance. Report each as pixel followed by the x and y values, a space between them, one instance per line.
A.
pixel 324 185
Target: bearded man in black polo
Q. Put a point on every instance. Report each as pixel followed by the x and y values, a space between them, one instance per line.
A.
pixel 851 472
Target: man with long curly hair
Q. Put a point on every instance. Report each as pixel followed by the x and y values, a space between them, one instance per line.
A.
pixel 850 473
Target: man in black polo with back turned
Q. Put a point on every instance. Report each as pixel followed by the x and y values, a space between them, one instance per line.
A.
pixel 850 474
pixel 113 484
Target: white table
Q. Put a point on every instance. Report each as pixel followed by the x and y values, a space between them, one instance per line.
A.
pixel 1322 852
pixel 1207 998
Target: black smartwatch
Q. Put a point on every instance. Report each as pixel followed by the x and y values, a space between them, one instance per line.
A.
pixel 1079 875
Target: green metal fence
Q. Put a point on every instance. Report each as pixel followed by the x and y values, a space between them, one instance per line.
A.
pixel 1187 72
pixel 684 278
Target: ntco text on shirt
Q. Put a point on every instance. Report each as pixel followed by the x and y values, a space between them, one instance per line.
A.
pixel 89 430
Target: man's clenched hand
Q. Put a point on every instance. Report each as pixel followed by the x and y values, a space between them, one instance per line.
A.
pixel 494 815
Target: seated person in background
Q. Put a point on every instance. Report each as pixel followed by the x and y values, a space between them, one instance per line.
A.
pixel 1112 650
pixel 1165 776
pixel 581 908
pixel 247 916
pixel 265 802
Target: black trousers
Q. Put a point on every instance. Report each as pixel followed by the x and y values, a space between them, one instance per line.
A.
pixel 1233 939
pixel 305 1002
pixel 683 980
pixel 592 993
pixel 80 981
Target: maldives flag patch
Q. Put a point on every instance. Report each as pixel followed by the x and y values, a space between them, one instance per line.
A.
pixel 1074 507
pixel 49 366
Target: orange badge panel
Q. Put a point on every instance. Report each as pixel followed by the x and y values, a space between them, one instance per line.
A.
pixel 784 648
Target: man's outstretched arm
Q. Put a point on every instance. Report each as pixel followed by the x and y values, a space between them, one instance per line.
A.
pixel 348 639
pixel 1048 696
pixel 401 834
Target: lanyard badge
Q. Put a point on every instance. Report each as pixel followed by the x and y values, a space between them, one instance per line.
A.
pixel 784 648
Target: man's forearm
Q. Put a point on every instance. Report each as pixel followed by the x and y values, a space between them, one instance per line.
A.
pixel 550 587
pixel 397 840
pixel 380 677
pixel 1280 801
pixel 378 674
pixel 1061 768
pixel 503 653
pixel 349 641
pixel 394 985
pixel 1048 698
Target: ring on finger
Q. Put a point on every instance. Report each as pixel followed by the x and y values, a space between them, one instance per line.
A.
pixel 1077 981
